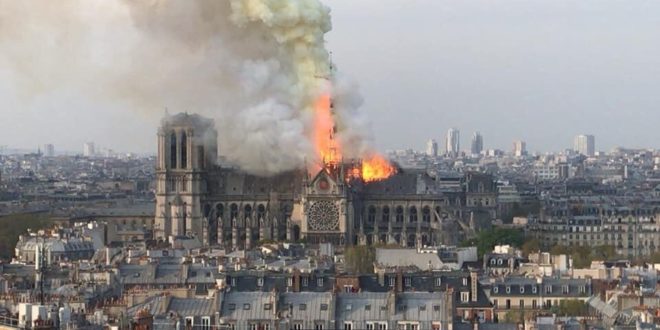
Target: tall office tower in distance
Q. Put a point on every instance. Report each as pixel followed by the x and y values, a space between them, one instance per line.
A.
pixel 452 144
pixel 432 148
pixel 49 150
pixel 88 149
pixel 477 144
pixel 519 148
pixel 585 145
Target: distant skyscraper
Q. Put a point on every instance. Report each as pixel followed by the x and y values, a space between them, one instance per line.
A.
pixel 452 144
pixel 585 144
pixel 477 143
pixel 432 148
pixel 88 149
pixel 49 150
pixel 519 148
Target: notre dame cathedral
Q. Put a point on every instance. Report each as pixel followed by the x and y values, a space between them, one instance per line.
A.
pixel 224 206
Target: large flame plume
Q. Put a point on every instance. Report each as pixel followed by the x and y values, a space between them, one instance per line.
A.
pixel 373 167
pixel 376 168
pixel 324 131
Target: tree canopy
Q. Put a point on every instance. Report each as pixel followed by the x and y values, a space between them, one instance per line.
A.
pixel 487 239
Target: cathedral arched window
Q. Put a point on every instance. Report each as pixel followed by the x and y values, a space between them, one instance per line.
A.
pixel 219 210
pixel 261 212
pixel 248 211
pixel 436 216
pixel 184 150
pixel 173 150
pixel 386 214
pixel 371 214
pixel 413 214
pixel 399 214
pixel 426 214
pixel 233 211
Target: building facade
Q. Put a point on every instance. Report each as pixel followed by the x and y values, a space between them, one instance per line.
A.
pixel 225 206
pixel 519 148
pixel 477 145
pixel 585 145
pixel 453 142
pixel 432 148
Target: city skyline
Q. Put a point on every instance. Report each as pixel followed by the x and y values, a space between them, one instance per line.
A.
pixel 466 148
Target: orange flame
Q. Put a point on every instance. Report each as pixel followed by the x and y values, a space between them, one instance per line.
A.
pixel 376 168
pixel 324 131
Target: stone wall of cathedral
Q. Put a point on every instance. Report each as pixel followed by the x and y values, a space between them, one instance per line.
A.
pixel 226 207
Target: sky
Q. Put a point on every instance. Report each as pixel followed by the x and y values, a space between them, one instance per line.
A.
pixel 538 71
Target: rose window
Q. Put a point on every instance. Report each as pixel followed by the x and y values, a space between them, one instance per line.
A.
pixel 323 216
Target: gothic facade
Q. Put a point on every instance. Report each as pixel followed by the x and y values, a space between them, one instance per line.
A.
pixel 224 206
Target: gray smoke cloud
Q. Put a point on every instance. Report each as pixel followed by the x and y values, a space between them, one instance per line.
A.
pixel 255 66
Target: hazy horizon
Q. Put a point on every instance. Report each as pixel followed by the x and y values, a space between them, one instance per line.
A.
pixel 538 71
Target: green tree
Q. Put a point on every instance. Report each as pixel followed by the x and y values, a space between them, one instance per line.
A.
pixel 14 225
pixel 487 239
pixel 604 252
pixel 573 307
pixel 360 259
pixel 531 245
pixel 583 256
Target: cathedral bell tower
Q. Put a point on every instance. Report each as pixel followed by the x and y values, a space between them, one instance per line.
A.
pixel 187 148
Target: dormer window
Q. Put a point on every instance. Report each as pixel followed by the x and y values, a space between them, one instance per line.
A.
pixel 305 281
pixel 438 281
pixel 465 297
pixel 465 281
pixel 289 281
pixel 533 289
pixel 408 282
pixel 319 282
pixel 260 281
pixel 548 289
pixel 565 289
pixel 522 289
pixel 392 281
pixel 508 289
pixel 495 289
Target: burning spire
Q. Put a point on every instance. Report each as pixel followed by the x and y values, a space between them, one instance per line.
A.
pixel 372 167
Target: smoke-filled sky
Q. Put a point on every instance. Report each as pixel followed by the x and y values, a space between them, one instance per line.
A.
pixel 540 71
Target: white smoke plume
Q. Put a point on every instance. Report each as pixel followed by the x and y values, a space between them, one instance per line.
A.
pixel 255 66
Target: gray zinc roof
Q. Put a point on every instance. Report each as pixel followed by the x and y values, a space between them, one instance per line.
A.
pixel 365 306
pixel 309 306
pixel 249 306
pixel 192 306
pixel 420 306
